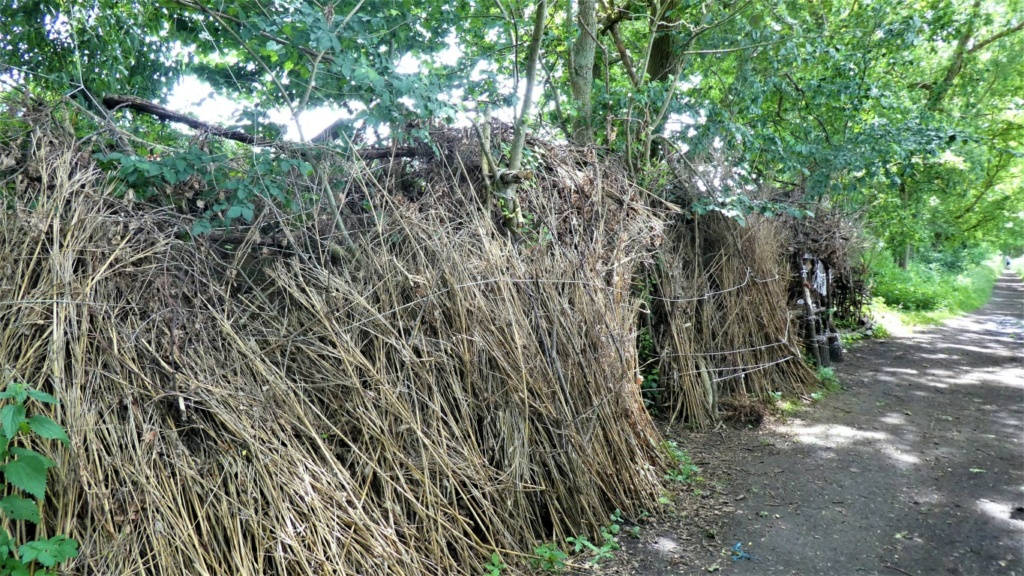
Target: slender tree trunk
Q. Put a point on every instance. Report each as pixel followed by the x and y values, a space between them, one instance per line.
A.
pixel 904 257
pixel 581 70
pixel 532 55
pixel 664 59
pixel 514 212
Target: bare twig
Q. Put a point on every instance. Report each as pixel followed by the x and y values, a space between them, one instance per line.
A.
pixel 900 570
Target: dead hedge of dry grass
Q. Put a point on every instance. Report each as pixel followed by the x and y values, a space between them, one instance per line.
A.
pixel 722 334
pixel 265 403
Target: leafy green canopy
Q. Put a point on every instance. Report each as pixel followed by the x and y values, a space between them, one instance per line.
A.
pixel 909 111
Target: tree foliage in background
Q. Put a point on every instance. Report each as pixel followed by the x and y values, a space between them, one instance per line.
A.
pixel 908 111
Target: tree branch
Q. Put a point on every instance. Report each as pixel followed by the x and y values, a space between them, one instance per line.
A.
pixel 995 37
pixel 627 62
pixel 956 65
pixel 614 18
pixel 115 102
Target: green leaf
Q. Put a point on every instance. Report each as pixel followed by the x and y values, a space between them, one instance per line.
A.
pixel 47 428
pixel 11 417
pixel 18 391
pixel 28 472
pixel 15 568
pixel 20 508
pixel 6 544
pixel 40 396
pixel 201 226
pixel 50 552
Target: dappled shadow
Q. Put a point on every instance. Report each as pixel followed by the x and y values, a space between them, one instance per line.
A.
pixel 917 468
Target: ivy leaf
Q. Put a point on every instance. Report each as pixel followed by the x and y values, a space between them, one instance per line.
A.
pixel 201 226
pixel 20 508
pixel 50 552
pixel 11 417
pixel 28 472
pixel 47 428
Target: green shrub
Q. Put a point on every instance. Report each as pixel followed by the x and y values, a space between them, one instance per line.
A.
pixel 939 286
pixel 549 557
pixel 683 469
pixel 24 474
pixel 827 379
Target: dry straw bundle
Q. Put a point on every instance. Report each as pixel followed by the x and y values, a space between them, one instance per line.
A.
pixel 437 394
pixel 723 337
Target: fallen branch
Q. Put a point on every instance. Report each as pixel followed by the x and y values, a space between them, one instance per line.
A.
pixel 116 102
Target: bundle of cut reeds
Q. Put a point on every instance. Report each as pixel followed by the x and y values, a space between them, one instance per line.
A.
pixel 721 326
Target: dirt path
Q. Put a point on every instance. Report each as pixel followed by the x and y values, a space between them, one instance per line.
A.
pixel 916 468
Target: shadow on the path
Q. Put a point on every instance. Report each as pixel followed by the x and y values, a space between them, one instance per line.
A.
pixel 917 469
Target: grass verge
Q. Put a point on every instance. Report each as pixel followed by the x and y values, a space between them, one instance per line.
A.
pixel 928 295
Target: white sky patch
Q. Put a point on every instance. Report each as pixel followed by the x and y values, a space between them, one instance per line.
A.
pixel 948 158
pixel 191 95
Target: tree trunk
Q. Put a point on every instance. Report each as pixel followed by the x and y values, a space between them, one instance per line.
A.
pixel 956 65
pixel 581 71
pixel 664 58
pixel 904 257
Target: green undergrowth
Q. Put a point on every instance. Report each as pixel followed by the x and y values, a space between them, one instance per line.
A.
pixel 582 551
pixel 929 293
pixel 786 406
pixel 24 485
pixel 577 550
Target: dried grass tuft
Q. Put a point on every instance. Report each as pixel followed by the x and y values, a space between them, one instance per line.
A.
pixel 384 385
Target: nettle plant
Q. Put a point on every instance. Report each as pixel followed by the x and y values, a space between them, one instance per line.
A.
pixel 24 485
